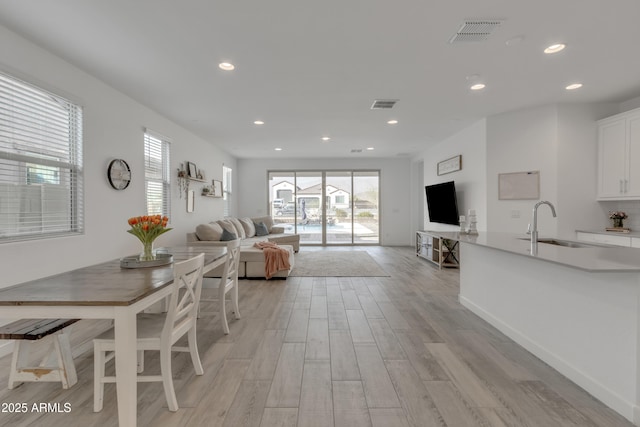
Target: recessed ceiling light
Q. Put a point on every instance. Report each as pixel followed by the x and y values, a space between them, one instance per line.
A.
pixel 278 149
pixel 574 86
pixel 226 66
pixel 477 86
pixel 325 138
pixel 392 122
pixel 555 48
pixel 370 148
pixel 258 122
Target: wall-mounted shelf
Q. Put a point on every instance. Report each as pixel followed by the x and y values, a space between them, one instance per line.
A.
pixel 193 179
pixel 184 180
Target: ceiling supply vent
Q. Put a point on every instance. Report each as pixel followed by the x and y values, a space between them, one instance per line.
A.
pixel 382 104
pixel 356 150
pixel 475 30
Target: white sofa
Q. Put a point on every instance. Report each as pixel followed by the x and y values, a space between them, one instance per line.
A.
pixel 251 258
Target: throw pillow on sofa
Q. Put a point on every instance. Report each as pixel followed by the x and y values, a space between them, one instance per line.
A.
pixel 261 229
pixel 266 220
pixel 211 231
pixel 239 228
pixel 227 225
pixel 249 228
pixel 227 236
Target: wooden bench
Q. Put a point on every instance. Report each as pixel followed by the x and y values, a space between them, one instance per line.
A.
pixel 56 333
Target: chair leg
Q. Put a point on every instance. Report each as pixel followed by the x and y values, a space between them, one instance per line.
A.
pixel 223 313
pixel 193 350
pixel 98 375
pixel 167 380
pixel 234 299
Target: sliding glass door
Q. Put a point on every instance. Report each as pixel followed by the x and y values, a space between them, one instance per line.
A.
pixel 327 207
pixel 366 190
pixel 338 200
pixel 310 223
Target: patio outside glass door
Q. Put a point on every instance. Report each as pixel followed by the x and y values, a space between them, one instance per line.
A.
pixel 366 214
pixel 327 207
pixel 310 207
pixel 338 201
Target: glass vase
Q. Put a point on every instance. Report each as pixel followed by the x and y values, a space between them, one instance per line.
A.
pixel 147 252
pixel 617 222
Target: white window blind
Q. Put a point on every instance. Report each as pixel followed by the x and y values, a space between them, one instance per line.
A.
pixel 41 178
pixel 227 188
pixel 156 174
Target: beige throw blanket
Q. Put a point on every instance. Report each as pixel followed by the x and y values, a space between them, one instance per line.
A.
pixel 275 258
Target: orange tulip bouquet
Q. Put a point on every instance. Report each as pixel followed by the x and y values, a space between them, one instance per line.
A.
pixel 147 228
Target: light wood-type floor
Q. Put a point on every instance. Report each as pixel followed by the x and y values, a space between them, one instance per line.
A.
pixel 383 352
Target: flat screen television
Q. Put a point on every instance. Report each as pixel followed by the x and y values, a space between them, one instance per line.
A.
pixel 442 203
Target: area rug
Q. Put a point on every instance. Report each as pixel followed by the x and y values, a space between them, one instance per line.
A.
pixel 336 264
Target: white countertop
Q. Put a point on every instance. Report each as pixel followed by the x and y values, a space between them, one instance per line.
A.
pixel 593 259
pixel 611 233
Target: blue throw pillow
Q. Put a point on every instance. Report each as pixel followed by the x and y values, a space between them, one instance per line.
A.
pixel 261 229
pixel 227 236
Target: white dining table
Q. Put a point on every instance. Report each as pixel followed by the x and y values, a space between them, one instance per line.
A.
pixel 104 291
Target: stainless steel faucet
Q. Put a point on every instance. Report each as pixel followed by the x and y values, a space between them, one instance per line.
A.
pixel 534 228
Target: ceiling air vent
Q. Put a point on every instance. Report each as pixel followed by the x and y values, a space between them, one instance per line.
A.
pixel 475 30
pixel 356 150
pixel 381 104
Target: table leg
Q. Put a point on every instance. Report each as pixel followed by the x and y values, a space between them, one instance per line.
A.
pixel 126 381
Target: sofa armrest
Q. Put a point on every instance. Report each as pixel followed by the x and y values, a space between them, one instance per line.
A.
pixel 277 230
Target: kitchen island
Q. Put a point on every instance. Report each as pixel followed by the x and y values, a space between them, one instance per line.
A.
pixel 576 308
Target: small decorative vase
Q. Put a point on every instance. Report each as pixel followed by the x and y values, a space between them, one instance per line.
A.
pixel 617 222
pixel 147 252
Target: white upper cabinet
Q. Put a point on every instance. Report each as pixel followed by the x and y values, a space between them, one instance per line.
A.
pixel 619 157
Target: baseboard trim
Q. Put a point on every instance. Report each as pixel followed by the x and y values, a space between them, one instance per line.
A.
pixel 616 402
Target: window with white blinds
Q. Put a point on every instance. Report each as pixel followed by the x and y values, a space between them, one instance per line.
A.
pixel 227 189
pixel 41 177
pixel 156 174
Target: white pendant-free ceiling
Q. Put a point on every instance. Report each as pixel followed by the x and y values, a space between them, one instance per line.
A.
pixel 311 69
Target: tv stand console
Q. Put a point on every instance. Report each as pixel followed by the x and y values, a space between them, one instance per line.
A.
pixel 438 247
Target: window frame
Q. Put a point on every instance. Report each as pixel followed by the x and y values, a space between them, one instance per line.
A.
pixel 158 176
pixel 41 133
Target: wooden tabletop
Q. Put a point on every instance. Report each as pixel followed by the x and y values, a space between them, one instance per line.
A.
pixel 103 284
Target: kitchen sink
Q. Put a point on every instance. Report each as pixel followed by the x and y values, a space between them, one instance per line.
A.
pixel 567 243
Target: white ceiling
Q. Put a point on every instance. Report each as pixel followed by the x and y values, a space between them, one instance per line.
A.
pixel 310 69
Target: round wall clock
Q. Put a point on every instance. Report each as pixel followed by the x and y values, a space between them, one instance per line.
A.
pixel 119 174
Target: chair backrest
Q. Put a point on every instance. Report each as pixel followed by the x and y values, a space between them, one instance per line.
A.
pixel 185 297
pixel 230 270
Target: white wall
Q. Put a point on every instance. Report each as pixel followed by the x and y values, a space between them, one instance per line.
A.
pixel 559 141
pixel 395 189
pixel 113 128
pixel 418 196
pixel 577 168
pixel 518 141
pixel 470 181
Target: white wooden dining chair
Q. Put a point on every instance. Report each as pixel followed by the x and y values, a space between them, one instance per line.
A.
pixel 159 332
pixel 229 284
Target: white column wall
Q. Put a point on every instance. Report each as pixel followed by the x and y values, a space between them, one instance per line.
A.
pixel 470 181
